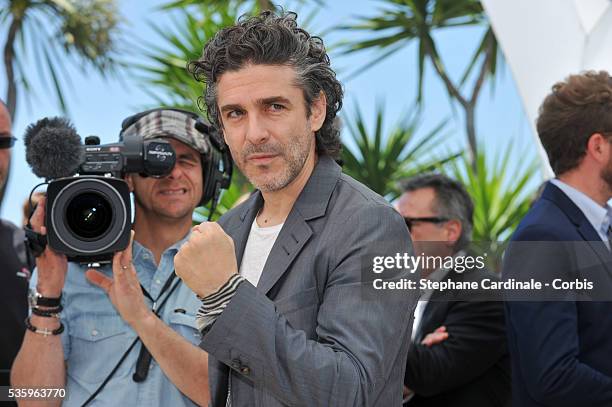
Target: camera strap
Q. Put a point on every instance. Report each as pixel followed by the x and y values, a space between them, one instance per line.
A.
pixel 144 357
pixel 35 242
pixel 143 360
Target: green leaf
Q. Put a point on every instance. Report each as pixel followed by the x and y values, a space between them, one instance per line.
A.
pixel 380 160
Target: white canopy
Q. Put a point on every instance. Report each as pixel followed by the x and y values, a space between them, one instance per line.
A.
pixel 544 41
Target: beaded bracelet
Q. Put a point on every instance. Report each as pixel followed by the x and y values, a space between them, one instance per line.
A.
pixel 43 331
pixel 56 310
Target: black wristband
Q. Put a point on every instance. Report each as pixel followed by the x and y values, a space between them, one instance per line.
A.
pixel 49 313
pixel 37 300
pixel 43 331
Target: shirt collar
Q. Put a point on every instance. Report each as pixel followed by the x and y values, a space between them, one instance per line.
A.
pixel 599 216
pixel 138 249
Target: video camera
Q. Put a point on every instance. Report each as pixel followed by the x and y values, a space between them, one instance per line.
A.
pixel 88 208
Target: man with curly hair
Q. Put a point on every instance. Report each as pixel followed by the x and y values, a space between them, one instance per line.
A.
pixel 288 316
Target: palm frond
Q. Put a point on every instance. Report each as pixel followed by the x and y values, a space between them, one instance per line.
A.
pixel 380 160
pixel 501 197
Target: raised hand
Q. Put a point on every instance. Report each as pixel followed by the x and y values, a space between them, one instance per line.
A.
pixel 207 260
pixel 124 288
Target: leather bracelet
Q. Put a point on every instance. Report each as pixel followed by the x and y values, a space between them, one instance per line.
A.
pixel 57 309
pixel 49 313
pixel 36 299
pixel 43 331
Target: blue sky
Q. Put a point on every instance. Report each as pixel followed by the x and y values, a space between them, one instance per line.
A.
pixel 98 106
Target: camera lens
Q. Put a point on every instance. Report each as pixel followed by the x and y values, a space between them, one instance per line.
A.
pixel 89 215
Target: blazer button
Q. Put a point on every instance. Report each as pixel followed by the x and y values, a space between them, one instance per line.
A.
pixel 245 370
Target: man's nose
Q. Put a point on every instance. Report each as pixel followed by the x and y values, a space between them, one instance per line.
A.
pixel 257 130
pixel 176 172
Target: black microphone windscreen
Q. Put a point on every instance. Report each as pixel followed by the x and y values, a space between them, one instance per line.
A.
pixel 53 148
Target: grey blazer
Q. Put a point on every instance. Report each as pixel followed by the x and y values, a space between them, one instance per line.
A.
pixel 314 332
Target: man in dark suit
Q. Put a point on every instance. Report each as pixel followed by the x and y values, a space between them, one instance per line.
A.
pixel 458 355
pixel 560 342
pixel 13 271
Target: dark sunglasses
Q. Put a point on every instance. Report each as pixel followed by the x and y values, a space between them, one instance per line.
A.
pixel 6 140
pixel 430 219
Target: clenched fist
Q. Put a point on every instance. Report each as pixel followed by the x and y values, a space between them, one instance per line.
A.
pixel 207 260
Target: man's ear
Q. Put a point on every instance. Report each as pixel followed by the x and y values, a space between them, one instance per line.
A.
pixel 598 147
pixel 129 178
pixel 318 111
pixel 453 231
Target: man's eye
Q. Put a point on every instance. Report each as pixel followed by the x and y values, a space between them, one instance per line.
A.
pixel 276 107
pixel 234 114
pixel 187 162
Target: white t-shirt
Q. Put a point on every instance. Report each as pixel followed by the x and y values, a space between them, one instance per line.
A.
pixel 258 247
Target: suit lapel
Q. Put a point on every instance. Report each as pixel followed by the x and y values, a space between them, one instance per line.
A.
pixel 583 226
pixel 431 319
pixel 241 233
pixel 290 241
pixel 419 335
pixel 588 233
pixel 434 312
pixel 295 233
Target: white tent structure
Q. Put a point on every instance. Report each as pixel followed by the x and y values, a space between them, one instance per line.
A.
pixel 544 41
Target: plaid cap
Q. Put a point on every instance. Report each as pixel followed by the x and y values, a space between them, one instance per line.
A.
pixel 170 123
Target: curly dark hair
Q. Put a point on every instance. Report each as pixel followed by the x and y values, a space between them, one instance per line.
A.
pixel 575 109
pixel 271 39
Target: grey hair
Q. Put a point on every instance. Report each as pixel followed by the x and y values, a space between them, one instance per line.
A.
pixel 270 39
pixel 452 201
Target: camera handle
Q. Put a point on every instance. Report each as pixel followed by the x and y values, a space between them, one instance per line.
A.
pixel 35 243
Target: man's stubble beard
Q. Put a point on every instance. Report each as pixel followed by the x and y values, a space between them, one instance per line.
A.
pixel 152 211
pixel 295 156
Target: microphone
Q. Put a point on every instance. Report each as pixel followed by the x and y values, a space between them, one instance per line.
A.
pixel 53 148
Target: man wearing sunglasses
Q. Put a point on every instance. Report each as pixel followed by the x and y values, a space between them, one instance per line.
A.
pixel 458 356
pixel 13 271
pixel 6 142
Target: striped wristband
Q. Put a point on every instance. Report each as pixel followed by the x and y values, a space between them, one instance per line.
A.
pixel 214 304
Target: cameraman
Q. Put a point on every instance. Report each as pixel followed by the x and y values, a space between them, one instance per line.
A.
pixel 100 326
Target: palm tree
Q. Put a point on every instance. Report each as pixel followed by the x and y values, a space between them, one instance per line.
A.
pixel 401 22
pixel 501 194
pixel 179 43
pixel 381 160
pixel 56 31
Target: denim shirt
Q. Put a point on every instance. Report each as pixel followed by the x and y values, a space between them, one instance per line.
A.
pixel 95 336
